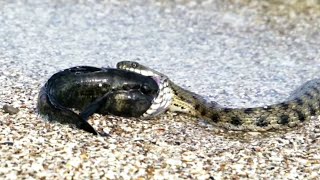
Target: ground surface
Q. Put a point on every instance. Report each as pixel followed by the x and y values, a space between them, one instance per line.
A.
pixel 239 53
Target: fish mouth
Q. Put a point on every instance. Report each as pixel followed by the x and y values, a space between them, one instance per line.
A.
pixel 157 79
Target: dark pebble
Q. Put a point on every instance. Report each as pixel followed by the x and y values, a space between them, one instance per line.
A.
pixel 10 109
pixel 7 143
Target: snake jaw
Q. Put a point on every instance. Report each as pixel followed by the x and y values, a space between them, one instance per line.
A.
pixel 162 102
pixel 164 99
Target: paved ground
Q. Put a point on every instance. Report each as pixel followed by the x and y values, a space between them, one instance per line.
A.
pixel 238 53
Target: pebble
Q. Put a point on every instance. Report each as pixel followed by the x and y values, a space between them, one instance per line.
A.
pixel 7 143
pixel 10 109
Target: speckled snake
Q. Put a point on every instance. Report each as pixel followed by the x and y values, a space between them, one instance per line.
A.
pixel 298 108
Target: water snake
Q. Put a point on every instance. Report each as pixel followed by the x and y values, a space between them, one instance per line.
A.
pixel 303 103
pixel 100 90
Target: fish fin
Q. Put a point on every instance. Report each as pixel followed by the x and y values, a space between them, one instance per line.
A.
pixel 94 106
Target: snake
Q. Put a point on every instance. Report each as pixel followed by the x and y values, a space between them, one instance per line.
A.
pixel 91 90
pixel 298 108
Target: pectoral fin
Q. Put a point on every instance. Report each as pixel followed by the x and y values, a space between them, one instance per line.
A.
pixel 94 106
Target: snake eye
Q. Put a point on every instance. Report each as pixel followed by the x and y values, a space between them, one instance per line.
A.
pixel 134 65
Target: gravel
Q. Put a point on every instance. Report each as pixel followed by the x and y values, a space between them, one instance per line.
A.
pixel 238 53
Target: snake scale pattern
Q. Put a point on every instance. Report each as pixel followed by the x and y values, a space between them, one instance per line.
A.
pixel 297 109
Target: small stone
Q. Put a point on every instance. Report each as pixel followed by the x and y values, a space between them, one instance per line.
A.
pixel 7 143
pixel 254 133
pixel 10 109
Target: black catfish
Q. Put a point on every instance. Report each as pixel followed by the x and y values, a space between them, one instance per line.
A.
pixel 95 90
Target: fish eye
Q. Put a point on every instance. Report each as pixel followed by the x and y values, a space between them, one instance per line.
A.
pixel 126 87
pixel 130 86
pixel 146 89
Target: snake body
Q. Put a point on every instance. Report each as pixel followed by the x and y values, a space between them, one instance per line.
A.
pixel 297 109
pixel 99 90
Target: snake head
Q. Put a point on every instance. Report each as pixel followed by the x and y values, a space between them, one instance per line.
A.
pixel 127 65
pixel 139 68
